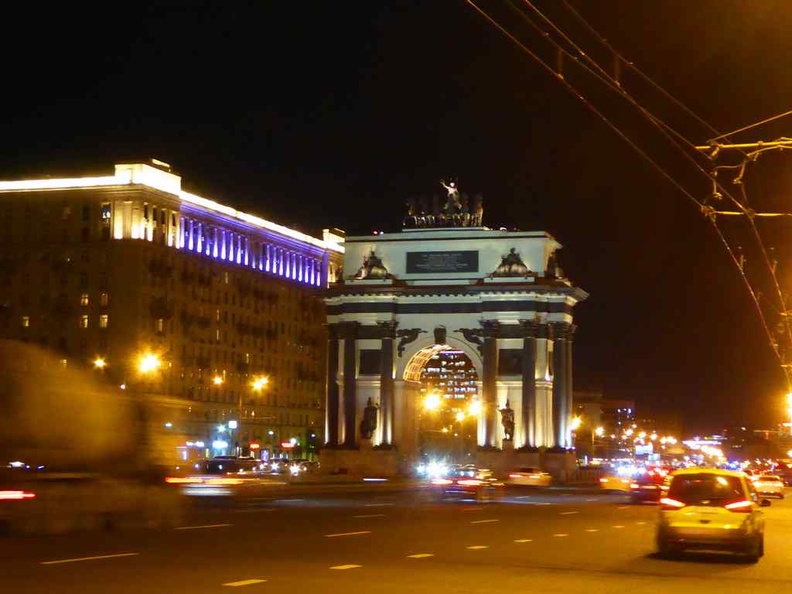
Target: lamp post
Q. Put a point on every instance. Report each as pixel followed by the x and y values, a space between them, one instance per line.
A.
pixel 789 411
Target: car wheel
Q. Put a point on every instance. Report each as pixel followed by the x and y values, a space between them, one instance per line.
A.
pixel 755 549
pixel 668 550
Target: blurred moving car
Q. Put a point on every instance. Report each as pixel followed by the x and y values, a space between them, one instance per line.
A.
pixel 769 485
pixel 711 509
pixel 530 477
pixel 647 487
pixel 615 482
pixel 466 482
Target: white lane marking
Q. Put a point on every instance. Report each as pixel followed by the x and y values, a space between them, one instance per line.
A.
pixel 592 529
pixel 420 555
pixel 569 513
pixel 377 504
pixel 286 500
pixel 560 535
pixel 592 499
pixel 483 521
pixel 76 559
pixel 370 516
pixel 254 510
pixel 617 526
pixel 523 497
pixel 345 566
pixel 640 523
pixel 244 583
pixel 523 540
pixel 477 547
pixel 348 533
pixel 623 507
pixel 205 526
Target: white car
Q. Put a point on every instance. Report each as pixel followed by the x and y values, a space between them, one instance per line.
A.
pixel 530 477
pixel 770 485
pixel 711 509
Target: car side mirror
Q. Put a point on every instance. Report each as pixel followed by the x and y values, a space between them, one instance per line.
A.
pixel 765 503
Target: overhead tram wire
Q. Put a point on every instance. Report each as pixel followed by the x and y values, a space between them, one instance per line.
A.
pixel 744 128
pixel 664 129
pixel 704 209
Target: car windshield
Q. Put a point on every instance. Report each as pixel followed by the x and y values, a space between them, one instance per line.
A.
pixel 769 477
pixel 705 489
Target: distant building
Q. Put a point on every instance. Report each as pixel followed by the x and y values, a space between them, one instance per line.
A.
pixel 114 268
pixel 617 415
pixel 451 373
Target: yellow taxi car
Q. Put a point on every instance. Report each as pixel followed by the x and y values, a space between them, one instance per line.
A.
pixel 711 509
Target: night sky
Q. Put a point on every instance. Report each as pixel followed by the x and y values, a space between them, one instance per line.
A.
pixel 320 114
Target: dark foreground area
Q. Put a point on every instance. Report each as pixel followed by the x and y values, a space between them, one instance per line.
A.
pixel 386 539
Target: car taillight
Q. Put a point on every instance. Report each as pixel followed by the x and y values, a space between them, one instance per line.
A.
pixel 603 480
pixel 439 481
pixel 16 495
pixel 470 482
pixel 515 475
pixel 743 506
pixel 180 480
pixel 666 503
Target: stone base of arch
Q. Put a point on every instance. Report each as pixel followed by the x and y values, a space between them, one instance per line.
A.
pixel 560 465
pixel 364 461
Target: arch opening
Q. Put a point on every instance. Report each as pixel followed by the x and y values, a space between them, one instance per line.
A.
pixel 447 406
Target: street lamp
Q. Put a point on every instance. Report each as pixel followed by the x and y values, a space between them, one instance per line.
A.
pixel 432 401
pixel 259 383
pixel 218 380
pixel 99 363
pixel 149 362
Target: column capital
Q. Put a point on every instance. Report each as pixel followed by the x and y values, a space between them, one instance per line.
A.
pixel 529 328
pixel 562 330
pixel 388 328
pixel 491 328
pixel 347 329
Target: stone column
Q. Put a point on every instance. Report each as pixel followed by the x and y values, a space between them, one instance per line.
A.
pixel 528 417
pixel 386 382
pixel 560 377
pixel 490 384
pixel 569 399
pixel 332 402
pixel 349 331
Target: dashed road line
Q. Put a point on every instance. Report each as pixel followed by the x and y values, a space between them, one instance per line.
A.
pixel 483 521
pixel 204 526
pixel 568 513
pixel 523 540
pixel 560 535
pixel 592 499
pixel 420 555
pixel 345 566
pixel 623 507
pixel 377 504
pixel 348 533
pixel 640 523
pixel 76 559
pixel 592 529
pixel 370 516
pixel 244 583
pixel 477 547
pixel 618 526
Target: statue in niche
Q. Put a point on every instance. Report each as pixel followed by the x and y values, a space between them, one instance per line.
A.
pixel 511 265
pixel 440 335
pixel 372 268
pixel 407 335
pixel 507 420
pixel 369 422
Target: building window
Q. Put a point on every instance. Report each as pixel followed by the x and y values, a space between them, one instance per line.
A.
pixel 83 280
pixel 26 321
pixel 83 321
pixel 106 211
pixel 104 320
pixel 104 298
pixel 84 299
pixel 160 325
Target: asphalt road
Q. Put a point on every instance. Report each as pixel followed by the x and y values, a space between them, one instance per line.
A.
pixel 332 539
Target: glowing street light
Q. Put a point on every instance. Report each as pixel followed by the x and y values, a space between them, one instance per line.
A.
pixel 460 416
pixel 599 431
pixel 432 401
pixel 99 363
pixel 576 423
pixel 218 380
pixel 259 383
pixel 149 362
pixel 474 409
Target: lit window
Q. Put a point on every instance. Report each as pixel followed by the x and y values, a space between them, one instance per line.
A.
pixel 84 299
pixel 83 321
pixel 106 211
pixel 104 298
pixel 104 319
pixel 160 324
pixel 26 321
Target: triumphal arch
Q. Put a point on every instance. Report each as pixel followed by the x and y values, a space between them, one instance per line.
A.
pixel 447 282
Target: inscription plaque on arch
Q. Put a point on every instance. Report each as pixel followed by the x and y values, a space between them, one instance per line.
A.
pixel 445 261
